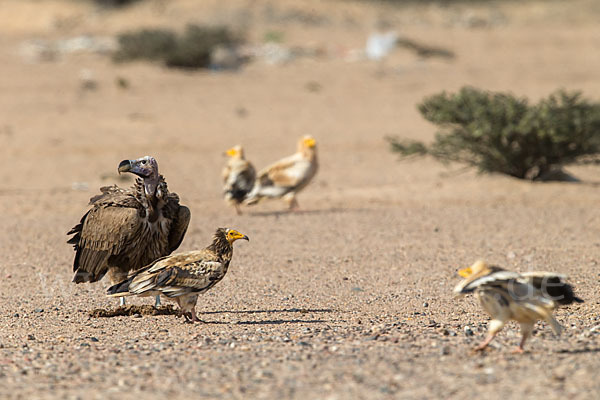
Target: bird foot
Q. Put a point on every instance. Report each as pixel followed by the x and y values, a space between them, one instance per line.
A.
pixel 518 350
pixel 190 318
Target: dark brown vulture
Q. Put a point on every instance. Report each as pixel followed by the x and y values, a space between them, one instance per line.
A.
pixel 127 229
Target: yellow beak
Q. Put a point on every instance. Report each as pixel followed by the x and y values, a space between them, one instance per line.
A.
pixel 310 142
pixel 231 152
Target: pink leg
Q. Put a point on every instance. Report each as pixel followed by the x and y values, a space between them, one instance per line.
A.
pixel 294 206
pixel 525 332
pixel 194 316
pixel 485 343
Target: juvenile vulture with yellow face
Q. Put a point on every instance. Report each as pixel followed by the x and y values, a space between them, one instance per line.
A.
pixel 183 276
pixel 126 229
pixel 525 298
pixel 286 177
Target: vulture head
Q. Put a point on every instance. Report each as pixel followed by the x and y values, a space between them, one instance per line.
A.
pixel 233 235
pixel 224 238
pixel 146 168
pixel 235 152
pixel 307 145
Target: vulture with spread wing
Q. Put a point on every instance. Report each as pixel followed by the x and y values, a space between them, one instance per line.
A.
pixel 238 177
pixel 287 176
pixel 183 276
pixel 525 298
pixel 126 229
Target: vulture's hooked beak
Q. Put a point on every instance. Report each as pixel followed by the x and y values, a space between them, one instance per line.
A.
pixel 124 166
pixel 230 153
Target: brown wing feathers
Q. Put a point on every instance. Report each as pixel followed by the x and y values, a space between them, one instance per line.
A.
pixel 117 233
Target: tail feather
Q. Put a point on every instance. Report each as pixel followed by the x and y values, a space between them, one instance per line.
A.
pixel 252 197
pixel 82 276
pixel 120 289
pixel 544 312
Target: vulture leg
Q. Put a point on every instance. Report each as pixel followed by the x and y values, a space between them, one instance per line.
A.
pixel 291 201
pixel 157 301
pixel 495 327
pixel 194 316
pixel 526 329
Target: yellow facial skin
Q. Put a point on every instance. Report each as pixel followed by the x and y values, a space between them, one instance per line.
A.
pixel 465 272
pixel 233 235
pixel 232 152
pixel 310 142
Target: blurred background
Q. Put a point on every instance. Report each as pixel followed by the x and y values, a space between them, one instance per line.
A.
pixel 85 84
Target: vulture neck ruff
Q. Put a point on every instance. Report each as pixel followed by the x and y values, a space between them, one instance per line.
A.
pixel 152 193
pixel 220 245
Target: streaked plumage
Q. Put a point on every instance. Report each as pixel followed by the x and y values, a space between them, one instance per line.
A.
pixel 126 229
pixel 183 276
pixel 238 177
pixel 525 298
pixel 287 176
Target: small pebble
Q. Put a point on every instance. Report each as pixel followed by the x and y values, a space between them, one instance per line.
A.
pixel 425 304
pixel 468 331
pixel 38 310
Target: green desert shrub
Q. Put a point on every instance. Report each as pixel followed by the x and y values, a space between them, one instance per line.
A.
pixel 497 132
pixel 195 46
pixel 145 44
pixel 192 49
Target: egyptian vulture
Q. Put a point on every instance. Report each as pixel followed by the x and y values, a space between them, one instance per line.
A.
pixel 287 176
pixel 183 276
pixel 523 297
pixel 126 229
pixel 238 177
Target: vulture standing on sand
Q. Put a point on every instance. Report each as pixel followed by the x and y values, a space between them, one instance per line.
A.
pixel 238 177
pixel 525 297
pixel 127 229
pixel 287 176
pixel 183 276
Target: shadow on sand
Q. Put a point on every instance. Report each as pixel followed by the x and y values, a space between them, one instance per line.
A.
pixel 579 351
pixel 335 210
pixel 171 310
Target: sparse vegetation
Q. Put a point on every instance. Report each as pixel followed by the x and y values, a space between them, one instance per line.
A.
pixel 497 132
pixel 192 49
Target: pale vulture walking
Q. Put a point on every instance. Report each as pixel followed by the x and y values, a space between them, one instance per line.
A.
pixel 286 177
pixel 524 297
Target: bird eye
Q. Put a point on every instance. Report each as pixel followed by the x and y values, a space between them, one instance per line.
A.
pixel 144 162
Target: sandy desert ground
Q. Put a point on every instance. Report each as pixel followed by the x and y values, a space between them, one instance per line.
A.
pixel 349 298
